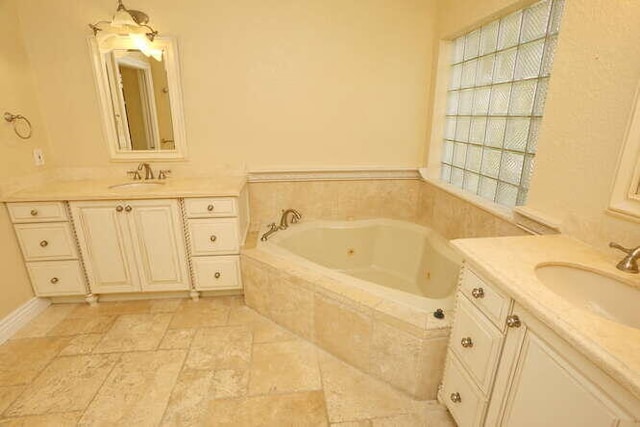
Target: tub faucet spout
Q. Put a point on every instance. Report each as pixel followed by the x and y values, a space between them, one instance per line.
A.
pixel 272 229
pixel 284 219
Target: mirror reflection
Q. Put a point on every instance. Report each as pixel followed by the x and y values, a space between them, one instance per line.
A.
pixel 140 99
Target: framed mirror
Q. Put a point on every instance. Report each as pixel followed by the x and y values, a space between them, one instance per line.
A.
pixel 140 97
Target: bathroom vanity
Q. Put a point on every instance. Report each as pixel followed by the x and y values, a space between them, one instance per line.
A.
pixel 112 237
pixel 526 352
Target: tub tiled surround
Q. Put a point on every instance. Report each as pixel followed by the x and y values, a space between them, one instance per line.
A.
pixel 403 346
pixel 403 199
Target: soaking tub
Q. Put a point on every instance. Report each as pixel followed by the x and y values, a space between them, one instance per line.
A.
pixel 398 260
pixel 366 291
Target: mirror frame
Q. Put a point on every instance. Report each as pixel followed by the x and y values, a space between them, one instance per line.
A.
pixel 172 67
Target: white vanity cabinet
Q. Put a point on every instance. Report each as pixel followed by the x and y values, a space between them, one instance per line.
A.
pixel 48 247
pixel 216 227
pixel 506 368
pixel 132 246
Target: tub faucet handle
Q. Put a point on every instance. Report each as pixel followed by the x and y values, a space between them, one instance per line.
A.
pixel 272 229
pixel 629 263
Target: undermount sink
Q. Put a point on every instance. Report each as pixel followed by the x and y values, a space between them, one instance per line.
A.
pixel 137 185
pixel 598 293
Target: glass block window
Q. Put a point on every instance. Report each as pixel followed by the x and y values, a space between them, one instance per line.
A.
pixel 497 88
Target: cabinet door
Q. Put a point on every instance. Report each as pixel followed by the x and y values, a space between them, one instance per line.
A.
pixel 157 231
pixel 106 246
pixel 552 385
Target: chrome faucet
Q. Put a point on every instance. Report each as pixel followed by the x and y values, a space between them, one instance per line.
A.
pixel 148 172
pixel 272 229
pixel 629 264
pixel 295 217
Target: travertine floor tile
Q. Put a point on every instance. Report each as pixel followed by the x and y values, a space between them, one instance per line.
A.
pixel 227 347
pixel 79 326
pixel 137 390
pixel 360 423
pixel 81 344
pixel 112 308
pixel 352 395
pixel 298 409
pixel 49 420
pixel 135 332
pixel 264 330
pixel 22 360
pixel 8 395
pixel 286 366
pixel 203 313
pixel 177 338
pixel 67 384
pixel 195 388
pixel 47 320
pixel 165 305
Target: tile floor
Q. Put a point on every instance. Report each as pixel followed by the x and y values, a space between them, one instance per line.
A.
pixel 214 362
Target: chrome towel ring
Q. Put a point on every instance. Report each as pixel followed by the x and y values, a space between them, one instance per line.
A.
pixel 16 119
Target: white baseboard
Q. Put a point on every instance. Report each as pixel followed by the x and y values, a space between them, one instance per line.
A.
pixel 21 316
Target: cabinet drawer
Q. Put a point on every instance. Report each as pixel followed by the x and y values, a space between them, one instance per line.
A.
pixel 464 400
pixel 221 272
pixel 47 241
pixel 37 212
pixel 476 342
pixel 486 297
pixel 214 236
pixel 50 278
pixel 210 207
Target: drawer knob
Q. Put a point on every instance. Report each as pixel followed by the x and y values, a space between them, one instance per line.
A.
pixel 466 342
pixel 44 243
pixel 213 238
pixel 34 212
pixel 54 280
pixel 477 293
pixel 217 275
pixel 455 397
pixel 128 208
pixel 513 321
pixel 210 208
pixel 119 208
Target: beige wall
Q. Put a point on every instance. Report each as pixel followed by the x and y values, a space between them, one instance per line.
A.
pixel 266 83
pixel 595 74
pixel 18 97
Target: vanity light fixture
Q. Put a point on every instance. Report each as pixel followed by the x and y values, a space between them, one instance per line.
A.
pixel 133 23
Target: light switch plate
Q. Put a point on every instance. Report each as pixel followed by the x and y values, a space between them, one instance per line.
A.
pixel 38 157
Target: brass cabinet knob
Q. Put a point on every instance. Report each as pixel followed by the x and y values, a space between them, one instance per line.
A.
pixel 477 293
pixel 54 280
pixel 455 397
pixel 119 208
pixel 128 208
pixel 210 208
pixel 44 243
pixel 213 238
pixel 217 275
pixel 466 342
pixel 513 321
pixel 34 212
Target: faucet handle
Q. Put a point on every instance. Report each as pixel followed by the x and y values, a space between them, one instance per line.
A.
pixel 620 247
pixel 163 173
pixel 136 175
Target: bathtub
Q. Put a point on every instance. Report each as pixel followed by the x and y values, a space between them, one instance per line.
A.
pixel 397 260
pixel 365 291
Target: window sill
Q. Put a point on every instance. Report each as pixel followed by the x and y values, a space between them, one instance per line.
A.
pixel 520 216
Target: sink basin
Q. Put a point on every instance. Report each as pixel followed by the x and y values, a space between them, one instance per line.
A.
pixel 598 293
pixel 137 185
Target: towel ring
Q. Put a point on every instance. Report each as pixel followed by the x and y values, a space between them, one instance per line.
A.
pixel 15 120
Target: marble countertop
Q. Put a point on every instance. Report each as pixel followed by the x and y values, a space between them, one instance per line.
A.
pixel 100 189
pixel 509 263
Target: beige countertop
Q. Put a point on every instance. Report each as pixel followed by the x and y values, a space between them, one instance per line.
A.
pixel 510 263
pixel 100 189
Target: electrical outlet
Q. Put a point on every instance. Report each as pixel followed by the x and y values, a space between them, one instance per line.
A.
pixel 38 157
